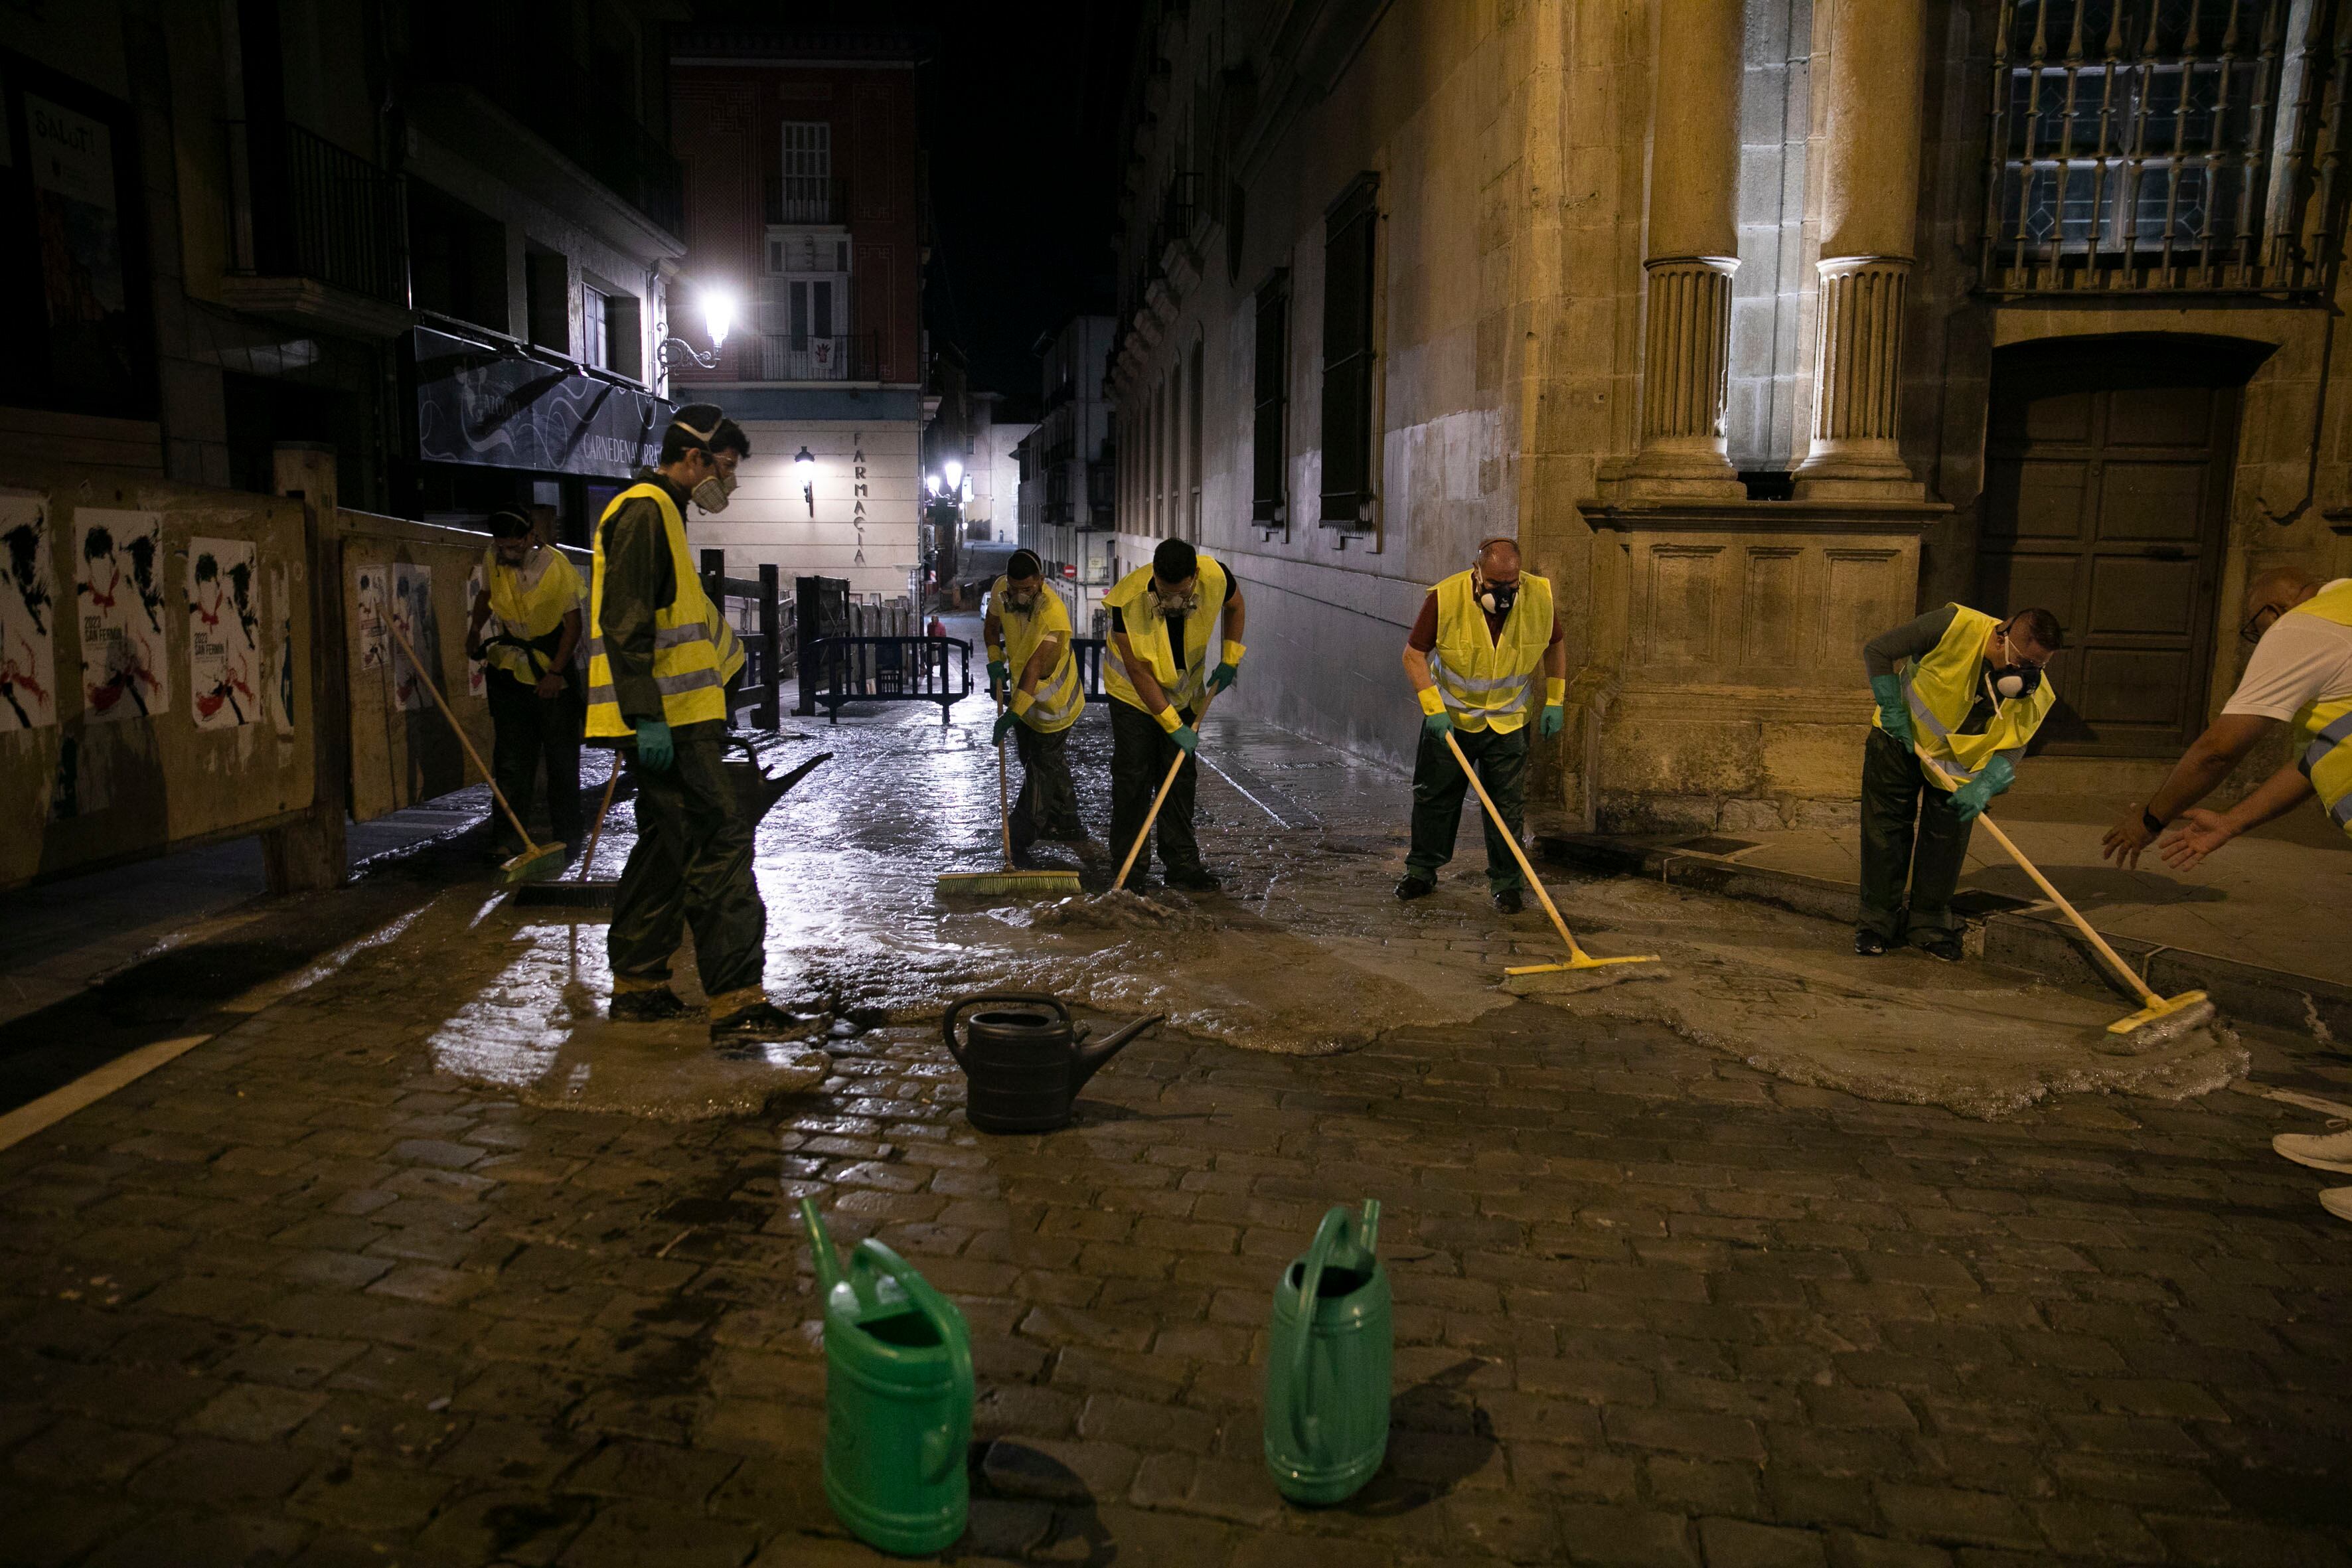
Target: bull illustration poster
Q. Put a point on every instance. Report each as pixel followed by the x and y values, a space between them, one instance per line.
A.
pixel 119 589
pixel 28 617
pixel 411 613
pixel 224 633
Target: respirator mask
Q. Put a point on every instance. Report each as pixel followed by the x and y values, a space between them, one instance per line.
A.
pixel 711 494
pixel 1183 604
pixel 2014 679
pixel 1496 598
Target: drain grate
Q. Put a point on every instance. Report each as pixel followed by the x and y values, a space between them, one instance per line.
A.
pixel 1714 844
pixel 1977 901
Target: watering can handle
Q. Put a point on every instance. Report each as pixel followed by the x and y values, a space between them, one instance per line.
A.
pixel 1310 1279
pixel 948 1023
pixel 874 1256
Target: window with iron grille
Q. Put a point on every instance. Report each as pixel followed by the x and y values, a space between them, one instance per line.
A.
pixel 2160 144
pixel 1349 230
pixel 807 173
pixel 1270 382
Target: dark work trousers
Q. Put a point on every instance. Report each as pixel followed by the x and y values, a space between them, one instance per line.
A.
pixel 1439 788
pixel 533 730
pixel 691 867
pixel 1893 791
pixel 1140 752
pixel 1047 806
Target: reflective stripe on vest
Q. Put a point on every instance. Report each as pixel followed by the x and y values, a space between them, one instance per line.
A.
pixel 1942 687
pixel 1060 696
pixel 1488 680
pixel 696 652
pixel 2326 761
pixel 1183 688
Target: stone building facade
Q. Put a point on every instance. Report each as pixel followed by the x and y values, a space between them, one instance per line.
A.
pixel 1762 324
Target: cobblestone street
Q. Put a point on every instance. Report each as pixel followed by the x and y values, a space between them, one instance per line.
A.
pixel 304 1296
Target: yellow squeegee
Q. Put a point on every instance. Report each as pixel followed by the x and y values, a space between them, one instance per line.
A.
pixel 1577 957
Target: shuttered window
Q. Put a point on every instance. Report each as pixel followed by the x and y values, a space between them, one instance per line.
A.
pixel 1349 235
pixel 1270 382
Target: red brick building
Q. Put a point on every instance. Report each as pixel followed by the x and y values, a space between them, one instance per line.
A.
pixel 804 175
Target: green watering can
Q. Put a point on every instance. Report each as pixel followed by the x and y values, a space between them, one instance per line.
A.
pixel 1327 1374
pixel 898 1399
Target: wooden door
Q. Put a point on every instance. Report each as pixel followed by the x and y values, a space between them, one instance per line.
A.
pixel 2107 481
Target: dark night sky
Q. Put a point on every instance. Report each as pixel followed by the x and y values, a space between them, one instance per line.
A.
pixel 1021 104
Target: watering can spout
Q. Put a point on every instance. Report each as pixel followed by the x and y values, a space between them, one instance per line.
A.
pixel 1088 1059
pixel 828 1266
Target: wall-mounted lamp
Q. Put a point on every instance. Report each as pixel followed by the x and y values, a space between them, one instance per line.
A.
pixel 718 315
pixel 805 469
pixel 954 471
pixel 931 483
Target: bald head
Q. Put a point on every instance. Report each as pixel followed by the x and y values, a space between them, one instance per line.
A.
pixel 2271 594
pixel 1498 561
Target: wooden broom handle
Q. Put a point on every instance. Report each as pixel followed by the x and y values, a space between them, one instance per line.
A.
pixel 597 835
pixel 1161 798
pixel 2130 978
pixel 1004 805
pixel 417 665
pixel 1512 839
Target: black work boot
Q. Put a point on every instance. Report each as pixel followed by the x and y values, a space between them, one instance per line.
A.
pixel 759 1021
pixel 1510 900
pixel 1195 878
pixel 1869 944
pixel 1409 887
pixel 659 1005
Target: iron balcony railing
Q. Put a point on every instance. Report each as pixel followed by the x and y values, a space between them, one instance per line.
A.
pixel 815 356
pixel 300 206
pixel 2142 145
pixel 807 198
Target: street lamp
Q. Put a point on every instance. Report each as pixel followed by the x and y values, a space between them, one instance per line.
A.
pixel 718 315
pixel 931 483
pixel 805 469
pixel 955 472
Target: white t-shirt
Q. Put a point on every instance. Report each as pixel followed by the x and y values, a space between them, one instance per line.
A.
pixel 2302 659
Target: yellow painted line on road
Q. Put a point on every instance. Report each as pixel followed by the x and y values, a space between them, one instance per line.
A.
pixel 92 1086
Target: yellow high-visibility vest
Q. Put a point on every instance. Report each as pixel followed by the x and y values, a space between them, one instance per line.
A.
pixel 1060 696
pixel 532 613
pixel 2326 760
pixel 1943 686
pixel 696 652
pixel 1488 682
pixel 1147 634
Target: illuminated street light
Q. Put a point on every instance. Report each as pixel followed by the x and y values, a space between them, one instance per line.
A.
pixel 955 473
pixel 931 483
pixel 805 469
pixel 718 313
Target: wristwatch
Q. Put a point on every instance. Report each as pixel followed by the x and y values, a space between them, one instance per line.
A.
pixel 2148 820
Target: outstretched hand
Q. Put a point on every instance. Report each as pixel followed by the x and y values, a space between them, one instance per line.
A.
pixel 2196 834
pixel 2126 838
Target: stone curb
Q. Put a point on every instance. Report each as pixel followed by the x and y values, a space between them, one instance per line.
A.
pixel 2028 939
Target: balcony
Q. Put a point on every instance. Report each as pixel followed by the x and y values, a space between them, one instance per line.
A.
pixel 317 237
pixel 808 200
pixel 811 356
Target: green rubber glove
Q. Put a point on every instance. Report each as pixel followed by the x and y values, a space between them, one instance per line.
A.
pixel 1186 738
pixel 1222 677
pixel 1893 713
pixel 1005 722
pixel 1435 725
pixel 998 673
pixel 1970 800
pixel 1554 720
pixel 655 749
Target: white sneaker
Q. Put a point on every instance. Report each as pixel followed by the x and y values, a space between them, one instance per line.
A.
pixel 2320 1151
pixel 2337 1201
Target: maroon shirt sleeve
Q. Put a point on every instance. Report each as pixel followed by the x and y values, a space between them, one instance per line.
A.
pixel 1423 638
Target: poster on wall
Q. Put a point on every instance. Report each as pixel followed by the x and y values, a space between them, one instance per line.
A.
pixel 477 670
pixel 412 613
pixel 28 617
pixel 374 645
pixel 224 633
pixel 280 678
pixel 70 154
pixel 118 587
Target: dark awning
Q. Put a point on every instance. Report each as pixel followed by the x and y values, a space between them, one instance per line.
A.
pixel 495 406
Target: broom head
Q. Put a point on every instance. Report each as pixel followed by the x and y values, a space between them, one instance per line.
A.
pixel 2167 1017
pixel 1015 884
pixel 535 865
pixel 1581 961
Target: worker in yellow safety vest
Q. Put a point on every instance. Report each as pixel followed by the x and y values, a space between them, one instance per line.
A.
pixel 659 658
pixel 1965 690
pixel 1472 658
pixel 1157 671
pixel 2300 674
pixel 1027 634
pixel 526 628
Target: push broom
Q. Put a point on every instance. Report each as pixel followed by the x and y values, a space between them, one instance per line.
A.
pixel 1144 836
pixel 537 861
pixel 1044 883
pixel 1577 957
pixel 2164 1017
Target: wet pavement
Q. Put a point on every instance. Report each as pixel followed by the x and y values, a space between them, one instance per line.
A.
pixel 1784 1257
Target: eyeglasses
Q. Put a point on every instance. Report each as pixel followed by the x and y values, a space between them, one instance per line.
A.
pixel 2252 632
pixel 2009 641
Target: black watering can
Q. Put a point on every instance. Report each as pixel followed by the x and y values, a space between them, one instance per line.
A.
pixel 1024 1060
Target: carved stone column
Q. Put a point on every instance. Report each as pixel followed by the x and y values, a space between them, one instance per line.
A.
pixel 1691 252
pixel 1869 55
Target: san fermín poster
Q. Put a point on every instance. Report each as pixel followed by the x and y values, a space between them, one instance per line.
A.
pixel 119 589
pixel 224 633
pixel 28 617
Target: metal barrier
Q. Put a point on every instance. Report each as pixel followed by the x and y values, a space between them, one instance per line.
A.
pixel 841 670
pixel 1088 652
pixel 762 624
